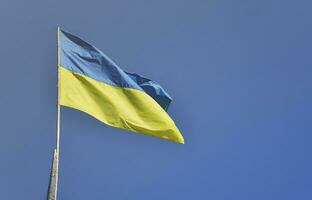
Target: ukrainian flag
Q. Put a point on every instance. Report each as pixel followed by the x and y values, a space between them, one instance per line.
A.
pixel 91 82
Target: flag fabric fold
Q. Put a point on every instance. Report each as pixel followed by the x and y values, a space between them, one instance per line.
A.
pixel 91 82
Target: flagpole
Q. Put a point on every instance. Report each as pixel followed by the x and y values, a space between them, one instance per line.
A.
pixel 58 125
pixel 52 193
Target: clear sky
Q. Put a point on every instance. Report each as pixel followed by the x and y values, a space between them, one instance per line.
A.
pixel 240 76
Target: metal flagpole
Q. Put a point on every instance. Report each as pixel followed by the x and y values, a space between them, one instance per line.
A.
pixel 52 194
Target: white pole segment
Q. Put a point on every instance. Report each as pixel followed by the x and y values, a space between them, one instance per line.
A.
pixel 58 92
pixel 52 193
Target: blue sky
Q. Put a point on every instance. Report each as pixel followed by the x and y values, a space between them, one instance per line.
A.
pixel 240 76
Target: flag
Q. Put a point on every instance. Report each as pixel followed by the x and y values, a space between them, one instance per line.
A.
pixel 91 82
